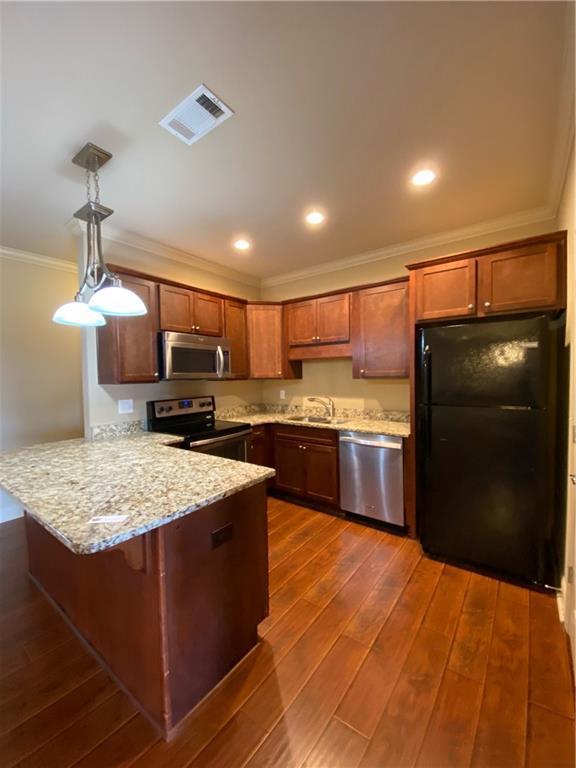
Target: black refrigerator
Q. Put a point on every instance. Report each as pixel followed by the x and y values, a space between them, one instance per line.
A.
pixel 491 445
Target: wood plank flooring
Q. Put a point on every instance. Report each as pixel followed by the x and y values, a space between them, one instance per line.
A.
pixel 372 656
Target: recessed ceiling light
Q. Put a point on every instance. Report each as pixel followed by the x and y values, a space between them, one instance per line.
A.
pixel 423 177
pixel 242 244
pixel 315 218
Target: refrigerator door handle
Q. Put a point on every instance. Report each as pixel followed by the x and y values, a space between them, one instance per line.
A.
pixel 427 368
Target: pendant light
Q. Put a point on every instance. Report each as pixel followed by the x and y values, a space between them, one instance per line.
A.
pixel 108 295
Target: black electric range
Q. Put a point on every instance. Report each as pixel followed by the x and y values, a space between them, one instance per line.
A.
pixel 193 419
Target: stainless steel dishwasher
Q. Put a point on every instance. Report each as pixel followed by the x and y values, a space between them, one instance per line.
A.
pixel 372 476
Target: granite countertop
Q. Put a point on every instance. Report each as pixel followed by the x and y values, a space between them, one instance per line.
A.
pixel 369 426
pixel 140 479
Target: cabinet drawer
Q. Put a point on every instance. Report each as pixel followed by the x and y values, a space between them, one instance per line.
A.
pixel 308 434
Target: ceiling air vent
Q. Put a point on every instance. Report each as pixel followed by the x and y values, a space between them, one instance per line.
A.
pixel 196 116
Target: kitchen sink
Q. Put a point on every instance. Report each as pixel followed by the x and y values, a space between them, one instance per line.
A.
pixel 315 420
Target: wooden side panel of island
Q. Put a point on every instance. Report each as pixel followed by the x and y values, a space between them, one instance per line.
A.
pixel 169 612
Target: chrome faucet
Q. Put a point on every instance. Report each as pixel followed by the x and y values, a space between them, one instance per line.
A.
pixel 330 407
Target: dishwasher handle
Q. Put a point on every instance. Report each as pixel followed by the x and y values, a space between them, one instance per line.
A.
pixel 371 443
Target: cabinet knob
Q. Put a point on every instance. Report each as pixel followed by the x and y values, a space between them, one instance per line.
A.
pixel 470 306
pixel 303 447
pixel 362 371
pixel 156 374
pixel 487 304
pixel 279 373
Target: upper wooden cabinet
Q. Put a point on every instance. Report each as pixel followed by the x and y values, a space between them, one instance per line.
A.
pixel 446 290
pixel 266 343
pixel 186 311
pixel 127 346
pixel 380 338
pixel 325 320
pixel 236 331
pixel 518 277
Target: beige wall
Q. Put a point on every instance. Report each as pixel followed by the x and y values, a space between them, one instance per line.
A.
pixel 334 379
pixel 567 220
pixel 101 402
pixel 40 373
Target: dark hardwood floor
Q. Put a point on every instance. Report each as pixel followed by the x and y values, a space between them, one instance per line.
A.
pixel 372 656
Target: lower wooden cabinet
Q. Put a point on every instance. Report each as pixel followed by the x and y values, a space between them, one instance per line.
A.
pixel 260 446
pixel 380 338
pixel 306 463
pixel 128 346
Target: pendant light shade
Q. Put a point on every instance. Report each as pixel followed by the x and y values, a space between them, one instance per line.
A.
pixel 108 295
pixel 116 300
pixel 78 313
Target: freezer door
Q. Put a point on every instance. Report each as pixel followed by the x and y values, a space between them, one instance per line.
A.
pixel 503 363
pixel 484 495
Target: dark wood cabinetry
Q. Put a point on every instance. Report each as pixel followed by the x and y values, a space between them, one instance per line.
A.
pixel 266 343
pixel 522 276
pixel 236 330
pixel 380 331
pixel 127 346
pixel 187 311
pixel 322 323
pixel 519 278
pixel 260 446
pixel 306 462
pixel 446 290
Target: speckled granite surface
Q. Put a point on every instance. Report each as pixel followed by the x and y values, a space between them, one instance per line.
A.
pixel 65 485
pixel 368 426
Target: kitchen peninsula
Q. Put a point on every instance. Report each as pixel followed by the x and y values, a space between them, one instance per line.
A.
pixel 156 556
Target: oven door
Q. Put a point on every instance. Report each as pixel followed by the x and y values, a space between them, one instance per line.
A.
pixel 228 447
pixel 194 357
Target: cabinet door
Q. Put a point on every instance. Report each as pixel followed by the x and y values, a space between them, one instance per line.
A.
pixel 208 314
pixel 302 323
pixel 235 330
pixel 446 290
pixel 128 346
pixel 290 474
pixel 321 472
pixel 380 336
pixel 521 278
pixel 175 309
pixel 265 340
pixel 333 323
pixel 260 447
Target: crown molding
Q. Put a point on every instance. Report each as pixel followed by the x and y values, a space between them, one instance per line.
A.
pixel 12 254
pixel 523 218
pixel 155 248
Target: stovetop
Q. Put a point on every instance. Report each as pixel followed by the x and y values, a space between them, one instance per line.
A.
pixel 192 418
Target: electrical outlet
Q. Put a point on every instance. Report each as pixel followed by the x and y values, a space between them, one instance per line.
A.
pixel 570 575
pixel 282 394
pixel 125 406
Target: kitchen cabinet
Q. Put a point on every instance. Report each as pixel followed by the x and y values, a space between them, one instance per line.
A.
pixel 127 346
pixel 519 278
pixel 325 320
pixel 260 446
pixel 236 331
pixel 380 338
pixel 306 463
pixel 266 343
pixel 187 311
pixel 446 290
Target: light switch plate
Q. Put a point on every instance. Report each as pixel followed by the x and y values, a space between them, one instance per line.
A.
pixel 125 406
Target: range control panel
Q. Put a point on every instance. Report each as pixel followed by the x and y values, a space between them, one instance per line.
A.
pixel 183 407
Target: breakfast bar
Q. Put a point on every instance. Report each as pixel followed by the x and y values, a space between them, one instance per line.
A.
pixel 157 557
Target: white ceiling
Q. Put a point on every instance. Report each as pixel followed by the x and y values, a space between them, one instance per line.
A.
pixel 336 104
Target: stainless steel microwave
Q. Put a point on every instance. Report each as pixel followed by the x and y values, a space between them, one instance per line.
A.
pixel 187 356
